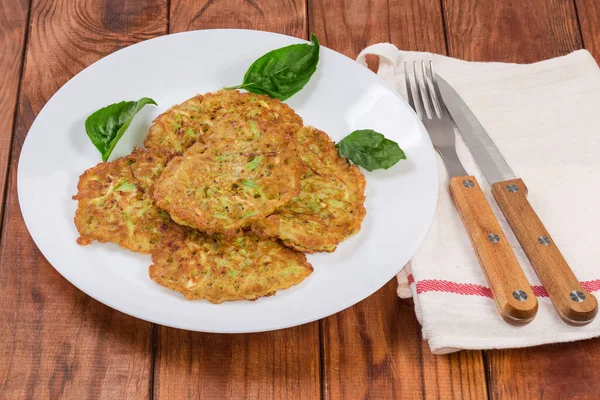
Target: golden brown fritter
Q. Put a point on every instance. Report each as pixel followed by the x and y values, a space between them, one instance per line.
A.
pixel 183 125
pixel 224 186
pixel 221 269
pixel 115 203
pixel 329 207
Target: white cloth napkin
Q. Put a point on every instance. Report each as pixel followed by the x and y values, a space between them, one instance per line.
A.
pixel 545 119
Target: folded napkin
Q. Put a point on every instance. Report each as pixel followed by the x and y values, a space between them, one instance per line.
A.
pixel 545 119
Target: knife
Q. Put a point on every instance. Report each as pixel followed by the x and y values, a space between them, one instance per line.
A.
pixel 574 304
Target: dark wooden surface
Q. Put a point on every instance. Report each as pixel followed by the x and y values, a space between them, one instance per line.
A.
pixel 13 28
pixel 56 342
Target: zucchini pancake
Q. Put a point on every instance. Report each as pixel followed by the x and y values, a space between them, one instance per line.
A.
pixel 219 269
pixel 242 172
pixel 115 202
pixel 221 190
pixel 230 193
pixel 329 207
pixel 181 126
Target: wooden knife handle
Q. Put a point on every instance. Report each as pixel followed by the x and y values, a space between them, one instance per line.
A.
pixel 575 305
pixel 511 290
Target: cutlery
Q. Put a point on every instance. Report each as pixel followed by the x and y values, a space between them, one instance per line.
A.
pixel 511 290
pixel 574 304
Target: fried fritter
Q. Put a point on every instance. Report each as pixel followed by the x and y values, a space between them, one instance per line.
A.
pixel 220 269
pixel 183 125
pixel 115 203
pixel 223 187
pixel 329 207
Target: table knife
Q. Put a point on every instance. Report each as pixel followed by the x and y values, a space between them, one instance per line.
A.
pixel 574 304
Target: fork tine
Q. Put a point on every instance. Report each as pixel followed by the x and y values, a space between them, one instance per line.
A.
pixel 420 104
pixel 409 89
pixel 430 102
pixel 434 104
pixel 438 95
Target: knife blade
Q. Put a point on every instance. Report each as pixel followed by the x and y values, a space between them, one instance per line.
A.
pixel 574 304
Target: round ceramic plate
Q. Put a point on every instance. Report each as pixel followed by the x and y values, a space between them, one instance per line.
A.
pixel 342 96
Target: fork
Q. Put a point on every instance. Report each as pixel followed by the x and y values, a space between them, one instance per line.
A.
pixel 509 286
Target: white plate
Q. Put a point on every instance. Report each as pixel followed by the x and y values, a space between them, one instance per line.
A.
pixel 342 96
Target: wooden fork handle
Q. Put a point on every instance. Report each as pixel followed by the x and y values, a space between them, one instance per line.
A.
pixel 511 290
pixel 575 305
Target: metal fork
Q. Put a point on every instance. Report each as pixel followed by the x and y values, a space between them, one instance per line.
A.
pixel 511 290
pixel 431 109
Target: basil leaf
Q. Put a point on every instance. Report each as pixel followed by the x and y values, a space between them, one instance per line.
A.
pixel 107 125
pixel 370 149
pixel 282 72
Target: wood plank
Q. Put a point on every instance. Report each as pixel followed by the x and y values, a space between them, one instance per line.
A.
pixel 458 375
pixel 516 31
pixel 416 25
pixel 588 13
pixel 374 349
pixel 280 364
pixel 511 30
pixel 560 371
pixel 352 26
pixel 13 24
pixel 288 17
pixel 56 342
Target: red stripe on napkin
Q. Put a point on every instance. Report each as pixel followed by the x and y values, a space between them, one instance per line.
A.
pixel 470 289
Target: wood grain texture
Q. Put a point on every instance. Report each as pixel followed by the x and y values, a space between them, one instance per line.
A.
pixel 13 24
pixel 546 259
pixel 282 364
pixel 416 25
pixel 57 342
pixel 350 26
pixel 588 13
pixel 286 16
pixel 511 30
pixel 559 371
pixel 498 262
pixel 454 376
pixel 374 349
pixel 274 365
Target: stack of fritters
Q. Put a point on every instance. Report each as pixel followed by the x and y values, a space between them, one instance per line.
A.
pixel 230 192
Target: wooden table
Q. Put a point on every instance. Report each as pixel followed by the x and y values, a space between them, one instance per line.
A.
pixel 56 342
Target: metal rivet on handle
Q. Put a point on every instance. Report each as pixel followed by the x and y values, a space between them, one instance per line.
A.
pixel 520 295
pixel 577 296
pixel 468 183
pixel 512 188
pixel 492 237
pixel 544 240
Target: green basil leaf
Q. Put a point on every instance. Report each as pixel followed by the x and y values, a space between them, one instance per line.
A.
pixel 370 149
pixel 107 125
pixel 282 72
